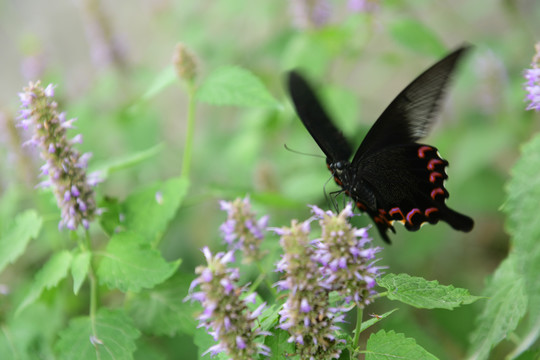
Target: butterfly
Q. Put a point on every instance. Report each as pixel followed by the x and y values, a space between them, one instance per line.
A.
pixel 391 176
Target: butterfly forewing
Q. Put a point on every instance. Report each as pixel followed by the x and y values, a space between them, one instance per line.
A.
pixel 410 115
pixel 328 137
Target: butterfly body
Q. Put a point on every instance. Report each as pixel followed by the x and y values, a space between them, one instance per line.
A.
pixel 391 176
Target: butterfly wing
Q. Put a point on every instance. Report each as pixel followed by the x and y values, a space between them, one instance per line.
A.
pixel 317 122
pixel 410 116
pixel 405 183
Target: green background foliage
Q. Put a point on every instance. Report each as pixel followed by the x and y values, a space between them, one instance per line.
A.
pixel 132 114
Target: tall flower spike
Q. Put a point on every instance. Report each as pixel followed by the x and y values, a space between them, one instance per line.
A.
pixel 242 230
pixel 306 314
pixel 225 315
pixel 346 258
pixel 64 166
pixel 532 86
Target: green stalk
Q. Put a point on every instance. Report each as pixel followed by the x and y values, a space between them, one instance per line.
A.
pixel 359 313
pixel 190 129
pixel 87 247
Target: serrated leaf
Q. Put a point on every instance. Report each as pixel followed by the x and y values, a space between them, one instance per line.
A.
pixel 79 269
pixel 48 277
pixel 114 339
pixel 376 318
pixel 148 211
pixel 104 169
pixel 12 244
pixel 390 346
pixel 280 347
pixel 506 305
pixel 417 37
pixel 424 294
pixel 162 311
pixel 235 86
pixel 130 264
pixel 522 209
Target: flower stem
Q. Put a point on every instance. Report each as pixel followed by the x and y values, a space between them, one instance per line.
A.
pixel 359 313
pixel 93 287
pixel 190 129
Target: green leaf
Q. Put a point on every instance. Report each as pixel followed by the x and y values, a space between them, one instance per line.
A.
pixel 104 169
pixel 161 311
pixel 148 211
pixel 79 269
pixel 114 339
pixel 390 346
pixel 417 37
pixel 48 277
pixel 522 209
pixel 235 86
pixel 130 264
pixel 164 79
pixel 12 244
pixel 506 305
pixel 279 345
pixel 424 294
pixel 366 324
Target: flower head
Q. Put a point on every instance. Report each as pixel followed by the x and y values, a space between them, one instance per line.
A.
pixel 242 230
pixel 365 6
pixel 225 314
pixel 310 13
pixel 184 63
pixel 532 86
pixel 307 314
pixel 346 256
pixel 64 166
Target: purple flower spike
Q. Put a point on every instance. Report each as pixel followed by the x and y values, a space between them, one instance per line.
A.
pixel 226 316
pixel 241 230
pixel 347 263
pixel 306 314
pixel 68 179
pixel 532 86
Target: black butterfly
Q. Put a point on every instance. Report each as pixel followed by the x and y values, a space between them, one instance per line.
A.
pixel 391 176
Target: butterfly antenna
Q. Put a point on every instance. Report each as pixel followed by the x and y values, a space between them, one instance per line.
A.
pixel 302 153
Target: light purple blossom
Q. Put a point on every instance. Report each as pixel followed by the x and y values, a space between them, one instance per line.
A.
pixel 365 6
pixel 345 256
pixel 310 13
pixel 306 314
pixel 64 165
pixel 241 230
pixel 532 86
pixel 225 315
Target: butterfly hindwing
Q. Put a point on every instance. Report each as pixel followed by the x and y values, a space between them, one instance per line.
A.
pixel 412 192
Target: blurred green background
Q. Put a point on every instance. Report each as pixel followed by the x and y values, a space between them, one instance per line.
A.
pixel 105 58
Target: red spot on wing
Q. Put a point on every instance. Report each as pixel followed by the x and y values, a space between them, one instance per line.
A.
pixel 422 150
pixel 411 214
pixel 434 175
pixel 396 211
pixel 434 162
pixel 361 206
pixel 437 191
pixel 430 211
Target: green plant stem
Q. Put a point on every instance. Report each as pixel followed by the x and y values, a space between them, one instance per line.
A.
pixel 93 286
pixel 190 129
pixel 359 313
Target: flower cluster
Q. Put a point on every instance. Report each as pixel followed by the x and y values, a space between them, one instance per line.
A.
pixel 532 86
pixel 365 6
pixel 307 314
pixel 310 13
pixel 184 63
pixel 225 315
pixel 241 230
pixel 64 166
pixel 347 260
